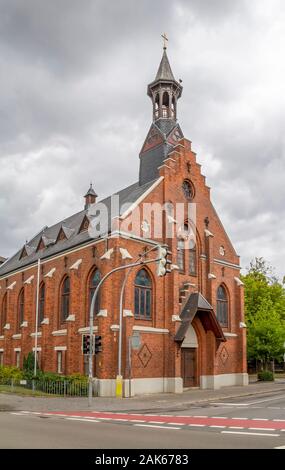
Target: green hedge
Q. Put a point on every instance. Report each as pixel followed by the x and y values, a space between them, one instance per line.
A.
pixel 265 376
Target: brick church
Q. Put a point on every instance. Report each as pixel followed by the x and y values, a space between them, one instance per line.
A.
pixel 181 330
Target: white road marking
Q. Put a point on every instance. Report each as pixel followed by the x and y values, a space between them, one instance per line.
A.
pixel 85 420
pixel 197 416
pixel 177 424
pixel 158 427
pixel 267 399
pixel 240 418
pixel 197 425
pixel 218 417
pixel 235 427
pixel 262 429
pixel 280 447
pixel 17 414
pixel 156 422
pixel 216 426
pixel 279 420
pixel 137 420
pixel 260 419
pixel 230 404
pixel 250 433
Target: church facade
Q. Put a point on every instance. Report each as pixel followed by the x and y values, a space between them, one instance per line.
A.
pixel 181 330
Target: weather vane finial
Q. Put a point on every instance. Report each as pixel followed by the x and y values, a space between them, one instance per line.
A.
pixel 165 38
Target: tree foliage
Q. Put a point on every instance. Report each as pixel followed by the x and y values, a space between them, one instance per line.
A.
pixel 264 313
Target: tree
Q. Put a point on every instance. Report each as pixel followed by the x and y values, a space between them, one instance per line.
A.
pixel 264 313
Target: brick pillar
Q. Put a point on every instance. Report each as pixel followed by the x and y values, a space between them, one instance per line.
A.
pixel 210 266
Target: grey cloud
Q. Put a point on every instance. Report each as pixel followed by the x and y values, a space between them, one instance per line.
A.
pixel 74 105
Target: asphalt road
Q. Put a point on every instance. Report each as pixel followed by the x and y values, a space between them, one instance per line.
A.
pixel 245 423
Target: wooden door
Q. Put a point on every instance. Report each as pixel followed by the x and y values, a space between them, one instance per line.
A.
pixel 189 367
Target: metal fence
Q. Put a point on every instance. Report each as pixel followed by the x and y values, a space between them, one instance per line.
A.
pixel 63 388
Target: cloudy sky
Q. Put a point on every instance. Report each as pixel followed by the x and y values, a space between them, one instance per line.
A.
pixel 73 107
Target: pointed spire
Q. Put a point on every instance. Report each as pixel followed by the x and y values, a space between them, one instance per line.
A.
pixel 90 197
pixel 164 71
pixel 91 191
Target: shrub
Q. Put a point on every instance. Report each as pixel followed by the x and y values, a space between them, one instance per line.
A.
pixel 10 372
pixel 265 376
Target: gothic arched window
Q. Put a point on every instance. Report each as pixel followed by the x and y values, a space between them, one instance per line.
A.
pixel 42 294
pixel 165 104
pixel 93 283
pixel 193 258
pixel 143 295
pixel 65 299
pixel 21 307
pixel 222 306
pixel 3 318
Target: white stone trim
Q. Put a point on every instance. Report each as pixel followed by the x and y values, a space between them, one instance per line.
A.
pixel 71 317
pixel 128 313
pixel 45 321
pixel 38 334
pixel 212 276
pixel 107 387
pixel 238 281
pixel 227 263
pixel 125 254
pixel 230 335
pixel 7 326
pixel 150 329
pixel 60 348
pixel 215 382
pixel 17 349
pixel 208 233
pixel 38 349
pixel 102 313
pixel 242 324
pixel 86 329
pixel 115 327
pixel 29 280
pixel 141 198
pixel 2 337
pixel 17 336
pixel 76 264
pixel 11 286
pixel 1 349
pixel 176 318
pixel 50 273
pixel 59 332
pixel 24 324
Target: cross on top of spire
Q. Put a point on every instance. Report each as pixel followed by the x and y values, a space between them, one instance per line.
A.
pixel 165 39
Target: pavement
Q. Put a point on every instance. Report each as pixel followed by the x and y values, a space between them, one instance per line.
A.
pixel 151 402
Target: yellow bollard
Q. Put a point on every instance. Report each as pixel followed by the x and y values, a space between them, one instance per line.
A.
pixel 119 386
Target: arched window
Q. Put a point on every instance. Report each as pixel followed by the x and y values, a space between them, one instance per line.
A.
pixel 143 295
pixel 21 306
pixel 93 283
pixel 192 258
pixel 65 298
pixel 180 254
pixel 156 106
pixel 3 319
pixel 42 294
pixel 222 306
pixel 165 104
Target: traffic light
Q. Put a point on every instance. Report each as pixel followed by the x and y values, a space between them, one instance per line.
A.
pixel 164 262
pixel 98 344
pixel 86 344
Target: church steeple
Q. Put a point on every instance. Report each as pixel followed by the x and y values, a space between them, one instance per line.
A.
pixel 164 91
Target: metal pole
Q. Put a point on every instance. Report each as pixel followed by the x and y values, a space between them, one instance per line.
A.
pixel 91 318
pixel 37 318
pixel 119 390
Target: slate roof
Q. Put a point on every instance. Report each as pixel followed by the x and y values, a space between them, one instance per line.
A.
pixel 70 227
pixel 2 259
pixel 164 70
pixel 197 304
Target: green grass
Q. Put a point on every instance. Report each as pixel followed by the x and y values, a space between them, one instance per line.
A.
pixel 24 391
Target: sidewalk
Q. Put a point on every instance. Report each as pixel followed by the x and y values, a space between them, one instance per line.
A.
pixel 145 403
